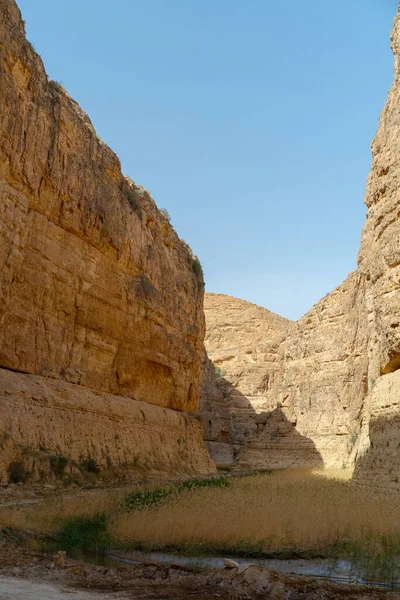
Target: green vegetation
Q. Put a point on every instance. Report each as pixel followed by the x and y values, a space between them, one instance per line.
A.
pixel 89 465
pixel 84 533
pixel 17 472
pixel 219 372
pixel 353 437
pixel 197 268
pixel 139 500
pixel 59 85
pixel 198 271
pixel 143 287
pixel 58 464
pixel 201 483
pixel 374 556
pixel 165 214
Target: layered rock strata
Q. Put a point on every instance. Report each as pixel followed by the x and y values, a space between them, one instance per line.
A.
pixel 378 457
pixel 42 418
pixel 96 288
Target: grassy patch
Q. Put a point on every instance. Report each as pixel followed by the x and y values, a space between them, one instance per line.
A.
pixel 210 482
pixel 139 500
pixel 84 533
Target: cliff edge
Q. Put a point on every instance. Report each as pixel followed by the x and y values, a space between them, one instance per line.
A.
pixel 99 298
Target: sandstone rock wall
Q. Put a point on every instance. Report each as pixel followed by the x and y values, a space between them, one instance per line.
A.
pixel 43 418
pixel 243 342
pixel 297 397
pixel 325 365
pixel 378 456
pixel 96 288
pixel 378 453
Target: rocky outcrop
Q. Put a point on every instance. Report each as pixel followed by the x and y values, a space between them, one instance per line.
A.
pixel 243 341
pixel 44 419
pixel 325 368
pixel 334 389
pixel 379 264
pixel 378 457
pixel 96 288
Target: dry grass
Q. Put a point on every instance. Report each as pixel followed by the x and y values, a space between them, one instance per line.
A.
pixel 285 510
pixel 47 515
pixel 289 510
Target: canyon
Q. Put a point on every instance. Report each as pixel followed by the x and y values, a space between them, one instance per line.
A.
pixel 102 329
pixel 325 389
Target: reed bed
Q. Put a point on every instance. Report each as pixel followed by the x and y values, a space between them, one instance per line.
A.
pixel 288 509
pixel 287 513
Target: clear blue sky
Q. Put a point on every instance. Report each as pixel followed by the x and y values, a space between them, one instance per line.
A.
pixel 249 120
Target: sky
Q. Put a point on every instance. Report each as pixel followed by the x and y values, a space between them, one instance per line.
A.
pixel 250 121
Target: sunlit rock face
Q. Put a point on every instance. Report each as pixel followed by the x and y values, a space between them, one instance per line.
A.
pixel 96 288
pixel 335 374
pixel 294 390
pixel 378 458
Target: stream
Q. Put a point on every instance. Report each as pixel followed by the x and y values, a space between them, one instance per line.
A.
pixel 337 571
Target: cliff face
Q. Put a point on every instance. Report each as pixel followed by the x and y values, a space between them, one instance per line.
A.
pixel 96 288
pixel 42 419
pixel 334 397
pixel 242 341
pixel 294 399
pixel 378 457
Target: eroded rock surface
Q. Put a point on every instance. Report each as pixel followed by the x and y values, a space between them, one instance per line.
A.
pixel 96 288
pixel 239 388
pixel 42 417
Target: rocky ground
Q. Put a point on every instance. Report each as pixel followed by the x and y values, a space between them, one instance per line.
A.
pixel 28 574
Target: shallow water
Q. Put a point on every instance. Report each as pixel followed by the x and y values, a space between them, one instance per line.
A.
pixel 338 571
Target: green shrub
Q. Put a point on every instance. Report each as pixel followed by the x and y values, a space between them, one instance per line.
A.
pixel 84 533
pixel 219 372
pixel 17 472
pixel 201 483
pixel 353 437
pixel 58 464
pixel 90 465
pixel 165 214
pixel 139 500
pixel 196 267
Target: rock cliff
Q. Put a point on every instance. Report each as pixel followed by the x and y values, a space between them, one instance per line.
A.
pixel 333 397
pixel 378 457
pixel 242 341
pixel 96 288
